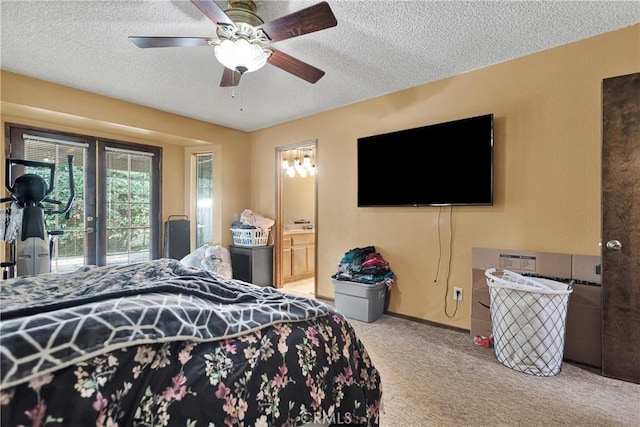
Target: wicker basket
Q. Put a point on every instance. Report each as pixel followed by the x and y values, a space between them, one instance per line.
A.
pixel 250 236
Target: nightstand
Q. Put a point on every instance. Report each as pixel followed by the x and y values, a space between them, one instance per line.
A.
pixel 253 264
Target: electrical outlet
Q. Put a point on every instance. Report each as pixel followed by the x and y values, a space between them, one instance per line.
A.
pixel 457 294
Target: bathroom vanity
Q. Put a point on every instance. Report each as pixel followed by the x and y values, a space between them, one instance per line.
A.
pixel 298 255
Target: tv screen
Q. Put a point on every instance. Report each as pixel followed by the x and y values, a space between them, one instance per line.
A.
pixel 444 164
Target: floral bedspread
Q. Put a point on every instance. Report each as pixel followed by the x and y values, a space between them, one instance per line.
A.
pixel 297 365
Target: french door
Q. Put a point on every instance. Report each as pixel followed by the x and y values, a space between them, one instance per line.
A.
pixel 116 216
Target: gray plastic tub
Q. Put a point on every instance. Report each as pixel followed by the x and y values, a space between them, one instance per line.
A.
pixel 359 301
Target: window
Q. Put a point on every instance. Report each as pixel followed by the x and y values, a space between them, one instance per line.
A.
pixel 129 178
pixel 203 168
pixel 204 198
pixel 67 249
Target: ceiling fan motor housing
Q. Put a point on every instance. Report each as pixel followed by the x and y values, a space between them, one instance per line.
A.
pixel 243 11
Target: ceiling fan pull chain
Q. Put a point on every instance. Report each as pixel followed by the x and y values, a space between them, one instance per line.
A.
pixel 241 96
pixel 233 85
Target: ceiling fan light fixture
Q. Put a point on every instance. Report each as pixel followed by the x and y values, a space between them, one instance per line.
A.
pixel 241 55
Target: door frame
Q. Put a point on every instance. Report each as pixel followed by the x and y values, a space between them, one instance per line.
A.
pixel 95 200
pixel 279 229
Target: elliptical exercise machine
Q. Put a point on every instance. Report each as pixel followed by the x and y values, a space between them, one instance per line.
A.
pixel 32 247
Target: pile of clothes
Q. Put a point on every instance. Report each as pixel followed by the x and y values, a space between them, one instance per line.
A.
pixel 364 265
pixel 250 219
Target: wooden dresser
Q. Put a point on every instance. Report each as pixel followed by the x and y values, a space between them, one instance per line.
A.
pixel 298 255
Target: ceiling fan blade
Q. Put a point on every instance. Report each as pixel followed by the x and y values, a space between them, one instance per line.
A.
pixel 305 21
pixel 294 66
pixel 213 12
pixel 145 42
pixel 230 78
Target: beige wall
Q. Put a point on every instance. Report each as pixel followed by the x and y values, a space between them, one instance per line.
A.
pixel 547 109
pixel 36 103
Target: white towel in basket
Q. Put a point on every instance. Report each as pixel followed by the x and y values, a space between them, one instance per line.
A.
pixel 250 218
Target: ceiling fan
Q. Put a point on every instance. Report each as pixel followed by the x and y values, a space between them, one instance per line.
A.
pixel 243 42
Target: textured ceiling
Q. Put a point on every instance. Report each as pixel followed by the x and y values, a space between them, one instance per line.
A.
pixel 378 47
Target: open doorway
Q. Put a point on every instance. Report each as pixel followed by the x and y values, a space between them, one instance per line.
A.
pixel 296 218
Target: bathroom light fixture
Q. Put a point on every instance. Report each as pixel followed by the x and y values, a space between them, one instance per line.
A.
pixel 296 167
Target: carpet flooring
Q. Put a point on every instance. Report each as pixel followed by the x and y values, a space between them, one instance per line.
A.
pixel 433 376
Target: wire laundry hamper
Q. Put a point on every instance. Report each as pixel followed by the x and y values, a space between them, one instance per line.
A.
pixel 528 319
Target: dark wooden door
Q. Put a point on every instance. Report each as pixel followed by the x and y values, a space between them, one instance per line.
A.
pixel 621 228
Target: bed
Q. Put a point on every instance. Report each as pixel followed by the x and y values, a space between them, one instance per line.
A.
pixel 164 344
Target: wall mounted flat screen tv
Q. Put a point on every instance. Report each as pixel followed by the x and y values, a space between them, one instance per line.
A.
pixel 445 164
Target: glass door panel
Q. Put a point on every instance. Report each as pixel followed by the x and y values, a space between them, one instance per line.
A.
pixel 204 199
pixel 128 188
pixel 70 250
